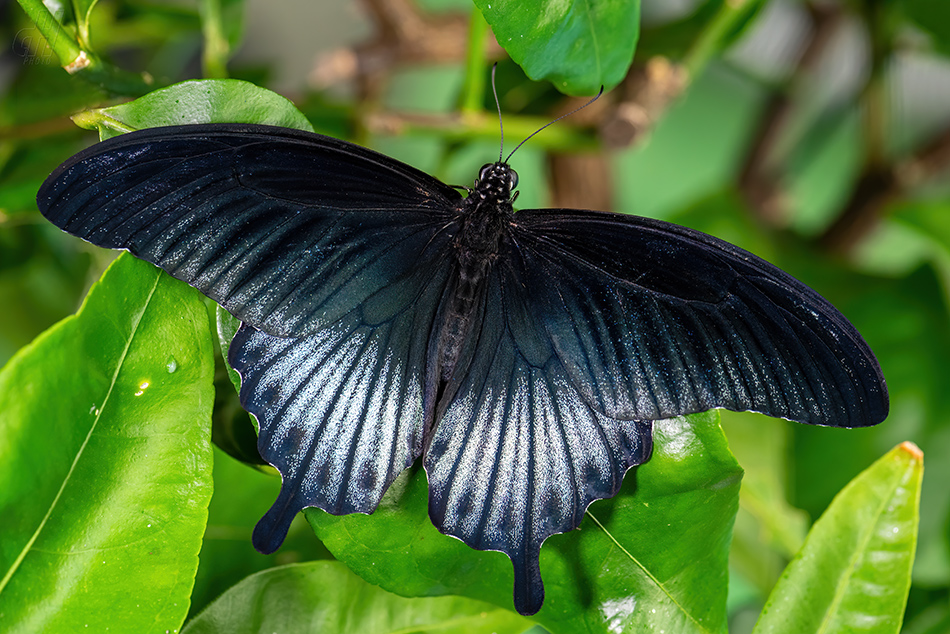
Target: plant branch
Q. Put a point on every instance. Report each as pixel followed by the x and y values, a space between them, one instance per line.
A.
pixel 473 91
pixel 79 61
pixel 403 35
pixel 456 127
pixel 214 57
pixel 879 186
pixel 759 178
pixel 61 41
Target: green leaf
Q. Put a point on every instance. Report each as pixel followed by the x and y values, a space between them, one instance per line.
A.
pixel 644 559
pixel 853 572
pixel 323 596
pixel 768 530
pixel 198 101
pixel 934 17
pixel 577 45
pixel 227 326
pixel 105 460
pixel 83 12
pixel 241 497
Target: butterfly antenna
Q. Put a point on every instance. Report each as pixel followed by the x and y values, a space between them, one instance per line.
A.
pixel 593 99
pixel 501 125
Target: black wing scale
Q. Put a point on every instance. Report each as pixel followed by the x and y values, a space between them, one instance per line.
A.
pixel 341 263
pixel 341 411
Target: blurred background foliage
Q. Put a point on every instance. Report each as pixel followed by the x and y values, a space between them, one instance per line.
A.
pixel 813 133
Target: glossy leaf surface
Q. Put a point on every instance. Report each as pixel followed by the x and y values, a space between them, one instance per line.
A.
pixel 106 460
pixel 578 46
pixel 323 596
pixel 853 572
pixel 642 559
pixel 241 495
pixel 192 102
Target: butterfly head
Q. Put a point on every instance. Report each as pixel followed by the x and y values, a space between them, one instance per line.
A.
pixel 496 183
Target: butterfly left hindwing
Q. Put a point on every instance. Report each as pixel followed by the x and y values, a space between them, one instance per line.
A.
pixel 341 411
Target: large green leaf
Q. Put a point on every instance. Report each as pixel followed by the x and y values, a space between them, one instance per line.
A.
pixel 241 496
pixel 577 45
pixel 323 596
pixel 198 101
pixel 853 572
pixel 644 559
pixel 105 460
pixel 905 322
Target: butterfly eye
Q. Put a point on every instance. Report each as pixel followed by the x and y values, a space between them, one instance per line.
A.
pixel 485 172
pixel 512 179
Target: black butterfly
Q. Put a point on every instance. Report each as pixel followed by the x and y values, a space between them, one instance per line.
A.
pixel 387 317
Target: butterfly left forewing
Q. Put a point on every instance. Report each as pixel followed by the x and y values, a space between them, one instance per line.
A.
pixel 287 230
pixel 334 257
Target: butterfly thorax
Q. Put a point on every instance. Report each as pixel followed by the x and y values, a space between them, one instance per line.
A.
pixel 483 222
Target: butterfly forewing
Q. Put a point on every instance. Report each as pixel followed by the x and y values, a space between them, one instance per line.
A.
pixel 287 230
pixel 653 320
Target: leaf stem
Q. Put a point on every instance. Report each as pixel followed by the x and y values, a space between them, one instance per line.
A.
pixel 81 61
pixel 480 126
pixel 473 91
pixel 214 58
pixel 62 42
pixel 712 39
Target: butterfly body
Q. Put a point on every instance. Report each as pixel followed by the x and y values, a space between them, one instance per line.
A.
pixel 386 318
pixel 480 233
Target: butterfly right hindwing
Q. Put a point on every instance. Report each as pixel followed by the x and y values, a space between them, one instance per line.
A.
pixel 518 454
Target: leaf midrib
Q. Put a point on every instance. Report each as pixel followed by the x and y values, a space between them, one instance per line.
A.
pixel 649 575
pixel 79 454
pixel 844 583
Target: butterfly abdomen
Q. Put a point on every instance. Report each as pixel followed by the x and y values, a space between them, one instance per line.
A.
pixel 484 219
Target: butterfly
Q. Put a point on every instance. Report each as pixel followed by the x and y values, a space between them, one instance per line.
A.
pixel 387 317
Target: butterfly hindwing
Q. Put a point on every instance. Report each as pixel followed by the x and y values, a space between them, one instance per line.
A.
pixel 654 320
pixel 286 230
pixel 340 410
pixel 518 454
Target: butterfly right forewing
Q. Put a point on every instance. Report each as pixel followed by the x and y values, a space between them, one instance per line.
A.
pixel 654 320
